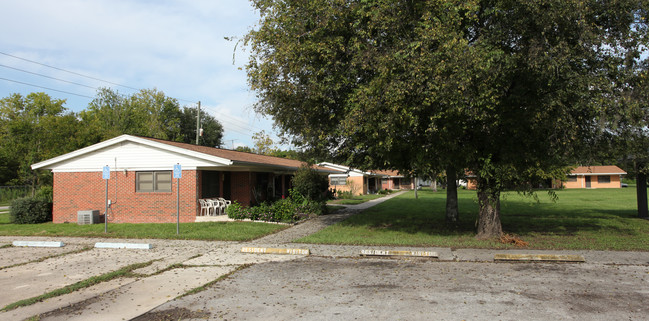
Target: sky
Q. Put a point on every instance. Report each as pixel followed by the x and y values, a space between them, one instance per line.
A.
pixel 177 47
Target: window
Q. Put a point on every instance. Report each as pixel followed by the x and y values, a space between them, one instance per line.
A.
pixel 156 182
pixel 572 178
pixel 603 179
pixel 339 180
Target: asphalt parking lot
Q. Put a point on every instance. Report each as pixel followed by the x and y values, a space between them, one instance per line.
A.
pixel 318 288
pixel 334 283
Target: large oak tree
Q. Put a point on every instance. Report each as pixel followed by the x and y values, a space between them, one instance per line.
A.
pixel 509 90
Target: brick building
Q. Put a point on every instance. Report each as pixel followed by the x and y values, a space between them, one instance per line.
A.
pixel 141 187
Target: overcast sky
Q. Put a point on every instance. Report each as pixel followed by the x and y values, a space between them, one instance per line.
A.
pixel 177 47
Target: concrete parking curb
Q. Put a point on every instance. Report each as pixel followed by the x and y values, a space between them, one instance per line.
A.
pixel 38 244
pixel 539 257
pixel 270 250
pixel 137 246
pixel 399 253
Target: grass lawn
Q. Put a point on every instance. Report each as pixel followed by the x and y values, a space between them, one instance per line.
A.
pixel 358 199
pixel 215 231
pixel 598 219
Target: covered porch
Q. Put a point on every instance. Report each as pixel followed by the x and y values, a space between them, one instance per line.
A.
pixel 248 188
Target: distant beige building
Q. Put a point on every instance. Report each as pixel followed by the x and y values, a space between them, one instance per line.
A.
pixel 595 177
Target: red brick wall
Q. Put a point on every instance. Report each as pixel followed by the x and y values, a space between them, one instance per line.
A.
pixel 87 191
pixel 241 187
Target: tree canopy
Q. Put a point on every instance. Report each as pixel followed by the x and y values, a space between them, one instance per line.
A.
pixel 512 91
pixel 37 127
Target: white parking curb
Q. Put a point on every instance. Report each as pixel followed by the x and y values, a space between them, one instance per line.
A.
pixel 38 244
pixel 137 246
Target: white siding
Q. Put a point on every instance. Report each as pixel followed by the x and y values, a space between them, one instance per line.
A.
pixel 131 156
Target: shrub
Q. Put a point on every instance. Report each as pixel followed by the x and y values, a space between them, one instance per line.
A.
pixel 345 194
pixel 311 184
pixel 45 193
pixel 30 211
pixel 236 212
pixel 292 209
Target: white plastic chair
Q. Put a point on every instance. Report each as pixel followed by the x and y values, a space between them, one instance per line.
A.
pixel 225 202
pixel 205 207
pixel 218 207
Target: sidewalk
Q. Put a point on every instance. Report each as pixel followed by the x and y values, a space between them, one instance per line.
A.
pixel 318 223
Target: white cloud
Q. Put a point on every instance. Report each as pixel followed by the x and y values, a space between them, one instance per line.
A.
pixel 176 46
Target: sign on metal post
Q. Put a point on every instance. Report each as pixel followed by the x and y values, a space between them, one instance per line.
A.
pixel 106 176
pixel 178 173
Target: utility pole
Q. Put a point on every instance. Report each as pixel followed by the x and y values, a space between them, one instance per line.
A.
pixel 198 121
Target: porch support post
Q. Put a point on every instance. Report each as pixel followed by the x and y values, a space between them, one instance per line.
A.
pixel 221 178
pixel 283 186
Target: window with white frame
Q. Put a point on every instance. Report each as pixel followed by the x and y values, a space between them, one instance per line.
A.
pixel 572 178
pixel 340 180
pixel 153 182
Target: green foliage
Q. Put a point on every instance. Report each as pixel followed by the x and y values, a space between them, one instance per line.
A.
pixel 385 192
pixel 344 194
pixel 310 184
pixel 30 211
pixel 45 193
pixel 292 209
pixel 31 130
pixel 510 90
pixel 10 193
pixel 212 128
pixel 263 143
pixel 244 149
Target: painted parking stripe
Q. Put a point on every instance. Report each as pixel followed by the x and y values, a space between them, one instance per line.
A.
pixel 270 250
pixel 539 258
pixel 38 243
pixel 399 253
pixel 137 246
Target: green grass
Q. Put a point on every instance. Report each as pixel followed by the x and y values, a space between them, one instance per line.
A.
pixel 213 231
pixel 355 200
pixel 598 219
pixel 4 217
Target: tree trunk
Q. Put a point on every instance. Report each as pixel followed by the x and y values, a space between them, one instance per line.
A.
pixel 416 196
pixel 489 213
pixel 452 212
pixel 641 193
pixel 434 184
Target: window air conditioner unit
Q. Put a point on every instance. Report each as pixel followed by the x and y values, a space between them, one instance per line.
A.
pixel 87 217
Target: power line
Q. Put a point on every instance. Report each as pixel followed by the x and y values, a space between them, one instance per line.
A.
pixel 61 91
pixel 241 124
pixel 68 71
pixel 74 73
pixel 41 75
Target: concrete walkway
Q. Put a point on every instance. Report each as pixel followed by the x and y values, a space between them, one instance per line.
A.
pixel 316 224
pixel 202 262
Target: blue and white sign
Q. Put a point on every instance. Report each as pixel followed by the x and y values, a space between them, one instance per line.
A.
pixel 178 172
pixel 106 172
